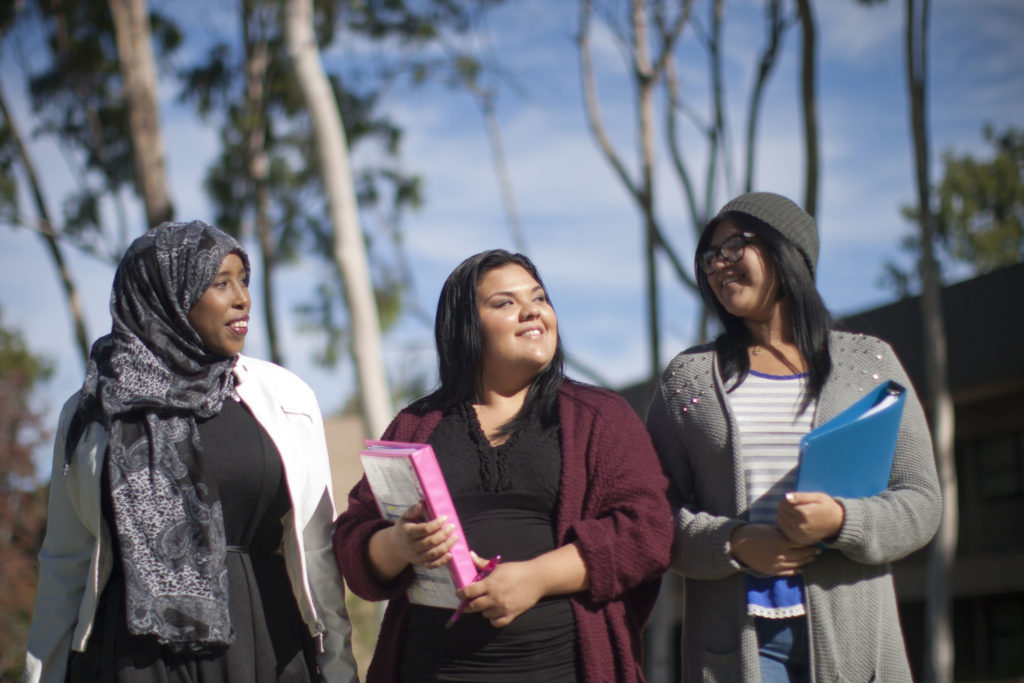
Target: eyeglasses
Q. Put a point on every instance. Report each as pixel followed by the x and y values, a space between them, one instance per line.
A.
pixel 730 251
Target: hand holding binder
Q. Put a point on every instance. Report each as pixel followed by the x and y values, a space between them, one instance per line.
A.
pixel 400 476
pixel 851 454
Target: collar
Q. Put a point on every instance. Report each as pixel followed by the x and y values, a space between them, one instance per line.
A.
pixel 241 369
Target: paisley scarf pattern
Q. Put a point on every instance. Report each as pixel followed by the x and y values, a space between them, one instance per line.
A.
pixel 148 382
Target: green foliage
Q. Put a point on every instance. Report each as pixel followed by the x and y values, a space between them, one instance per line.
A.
pixel 296 208
pixel 979 213
pixel 410 21
pixel 22 501
pixel 76 93
pixel 981 204
pixel 8 180
pixel 20 430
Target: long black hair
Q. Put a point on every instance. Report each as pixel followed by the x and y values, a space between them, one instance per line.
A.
pixel 809 317
pixel 459 340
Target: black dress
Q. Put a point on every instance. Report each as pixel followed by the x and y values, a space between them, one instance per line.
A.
pixel 272 644
pixel 506 497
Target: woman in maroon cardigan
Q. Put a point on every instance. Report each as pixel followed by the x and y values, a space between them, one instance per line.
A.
pixel 558 478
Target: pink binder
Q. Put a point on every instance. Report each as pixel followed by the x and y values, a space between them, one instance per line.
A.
pixel 430 487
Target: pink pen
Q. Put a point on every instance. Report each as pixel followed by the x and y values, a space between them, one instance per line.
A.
pixel 483 573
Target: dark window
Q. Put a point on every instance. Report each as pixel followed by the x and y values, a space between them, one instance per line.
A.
pixel 999 467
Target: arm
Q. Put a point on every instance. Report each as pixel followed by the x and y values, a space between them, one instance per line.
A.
pixel 765 549
pixel 312 570
pixel 64 562
pixel 410 541
pixel 623 532
pixel 334 655
pixel 353 533
pixel 701 544
pixel 904 517
pixel 514 587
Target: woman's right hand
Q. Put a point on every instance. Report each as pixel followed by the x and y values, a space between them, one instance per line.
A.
pixel 411 541
pixel 765 549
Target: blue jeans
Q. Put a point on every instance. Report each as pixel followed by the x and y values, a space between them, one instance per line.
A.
pixel 782 650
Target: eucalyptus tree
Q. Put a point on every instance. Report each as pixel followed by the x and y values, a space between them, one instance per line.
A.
pixel 68 63
pixel 139 86
pixel 78 99
pixel 265 180
pixel 22 499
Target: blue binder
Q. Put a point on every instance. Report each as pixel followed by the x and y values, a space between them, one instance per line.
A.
pixel 851 454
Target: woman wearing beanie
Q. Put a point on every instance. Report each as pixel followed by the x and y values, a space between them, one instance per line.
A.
pixel 190 511
pixel 780 585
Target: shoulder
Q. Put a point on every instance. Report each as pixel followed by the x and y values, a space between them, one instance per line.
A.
pixel 279 382
pixel 415 422
pixel 248 367
pixel 69 408
pixel 67 413
pixel 695 359
pixel 589 398
pixel 841 342
pixel 691 370
pixel 855 350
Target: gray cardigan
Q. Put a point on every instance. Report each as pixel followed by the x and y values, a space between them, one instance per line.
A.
pixel 854 625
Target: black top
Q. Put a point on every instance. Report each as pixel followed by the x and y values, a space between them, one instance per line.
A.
pixel 272 644
pixel 506 497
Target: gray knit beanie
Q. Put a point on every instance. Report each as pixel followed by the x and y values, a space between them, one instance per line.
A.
pixel 783 215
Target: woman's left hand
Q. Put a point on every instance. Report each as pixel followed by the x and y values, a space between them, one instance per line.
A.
pixel 514 587
pixel 510 590
pixel 808 517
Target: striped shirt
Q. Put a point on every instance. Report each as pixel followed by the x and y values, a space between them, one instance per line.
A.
pixel 765 407
pixel 770 423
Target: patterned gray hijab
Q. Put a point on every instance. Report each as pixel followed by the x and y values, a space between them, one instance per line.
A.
pixel 147 382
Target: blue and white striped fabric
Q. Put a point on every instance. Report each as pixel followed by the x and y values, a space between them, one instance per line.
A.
pixel 767 412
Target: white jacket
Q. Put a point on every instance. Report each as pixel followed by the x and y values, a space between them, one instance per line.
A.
pixel 76 558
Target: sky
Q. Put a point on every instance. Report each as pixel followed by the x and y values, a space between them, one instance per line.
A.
pixel 580 226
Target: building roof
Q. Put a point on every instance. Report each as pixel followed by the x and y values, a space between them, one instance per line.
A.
pixel 984 320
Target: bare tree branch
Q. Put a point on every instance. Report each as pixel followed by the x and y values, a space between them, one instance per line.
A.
pixel 49 235
pixel 766 63
pixel 591 105
pixel 808 100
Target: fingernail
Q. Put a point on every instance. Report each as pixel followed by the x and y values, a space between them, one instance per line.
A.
pixel 790 497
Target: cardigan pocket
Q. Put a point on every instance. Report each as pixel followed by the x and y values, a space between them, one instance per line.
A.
pixel 720 668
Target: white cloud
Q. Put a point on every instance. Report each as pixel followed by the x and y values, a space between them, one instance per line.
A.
pixel 582 228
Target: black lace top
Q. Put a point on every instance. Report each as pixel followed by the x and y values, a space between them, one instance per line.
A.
pixel 506 497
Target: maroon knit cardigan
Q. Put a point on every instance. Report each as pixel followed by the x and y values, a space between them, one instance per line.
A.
pixel 611 502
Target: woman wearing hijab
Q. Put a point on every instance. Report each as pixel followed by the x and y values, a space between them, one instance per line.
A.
pixel 763 600
pixel 190 491
pixel 558 478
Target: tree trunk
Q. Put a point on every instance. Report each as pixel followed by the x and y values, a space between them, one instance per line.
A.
pixel 49 235
pixel 350 253
pixel 939 646
pixel 257 163
pixel 138 71
pixel 644 77
pixel 810 106
pixel 773 17
pixel 485 101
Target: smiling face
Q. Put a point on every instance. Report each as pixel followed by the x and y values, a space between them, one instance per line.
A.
pixel 221 316
pixel 747 288
pixel 518 325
